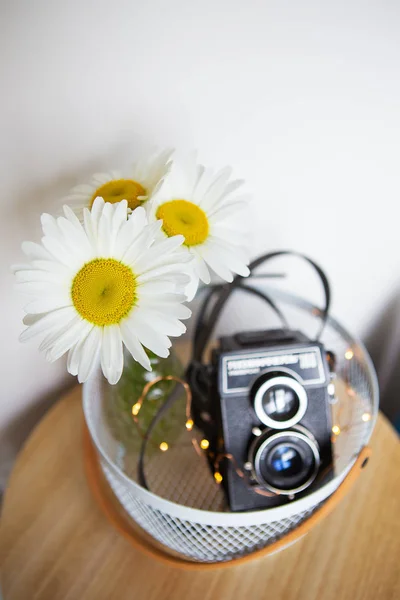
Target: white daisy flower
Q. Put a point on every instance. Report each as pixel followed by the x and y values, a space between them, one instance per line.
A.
pixel 135 186
pixel 204 207
pixel 97 286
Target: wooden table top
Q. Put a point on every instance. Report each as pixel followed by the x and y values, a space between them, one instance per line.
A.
pixel 55 544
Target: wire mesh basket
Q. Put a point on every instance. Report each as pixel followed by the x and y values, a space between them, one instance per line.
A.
pixel 186 510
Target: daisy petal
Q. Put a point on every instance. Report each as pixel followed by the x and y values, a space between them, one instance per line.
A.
pixel 57 249
pixel 74 357
pixel 38 275
pixel 119 218
pixel 95 214
pixel 59 318
pixel 78 331
pixel 44 304
pixel 200 268
pixel 84 189
pixel 34 251
pixel 164 248
pixel 134 346
pixel 192 287
pixel 75 237
pixel 161 321
pixel 112 361
pixel 55 333
pixel 101 178
pixel 229 257
pixel 89 355
pixel 218 267
pixel 225 211
pixel 72 218
pixel 49 225
pixel 32 319
pixel 104 240
pixel 151 339
pixel 141 244
pixel 56 268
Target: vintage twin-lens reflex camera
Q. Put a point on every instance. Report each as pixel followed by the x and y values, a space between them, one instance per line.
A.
pixel 271 418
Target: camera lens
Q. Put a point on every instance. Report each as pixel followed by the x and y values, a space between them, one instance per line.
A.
pixel 280 402
pixel 286 462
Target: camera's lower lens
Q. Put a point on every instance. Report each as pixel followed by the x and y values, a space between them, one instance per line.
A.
pixel 280 401
pixel 286 462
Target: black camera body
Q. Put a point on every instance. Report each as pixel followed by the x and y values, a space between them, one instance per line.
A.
pixel 271 417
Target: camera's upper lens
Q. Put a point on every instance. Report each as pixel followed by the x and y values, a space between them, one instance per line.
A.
pixel 286 462
pixel 280 401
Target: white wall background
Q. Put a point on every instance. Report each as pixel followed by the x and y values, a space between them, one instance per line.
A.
pixel 302 98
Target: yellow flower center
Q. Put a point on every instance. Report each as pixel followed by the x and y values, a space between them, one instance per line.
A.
pixel 104 291
pixel 184 218
pixel 121 189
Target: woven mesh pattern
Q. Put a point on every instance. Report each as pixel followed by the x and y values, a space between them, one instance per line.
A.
pixel 196 487
pixel 204 543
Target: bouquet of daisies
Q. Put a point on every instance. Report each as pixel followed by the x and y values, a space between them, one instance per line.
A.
pixel 130 249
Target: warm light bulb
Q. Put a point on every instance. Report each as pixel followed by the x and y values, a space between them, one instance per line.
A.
pixel 163 446
pixel 218 477
pixel 366 417
pixel 204 444
pixel 349 354
pixel 336 429
pixel 136 408
pixel 189 424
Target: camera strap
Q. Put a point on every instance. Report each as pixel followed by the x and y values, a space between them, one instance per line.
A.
pixel 205 327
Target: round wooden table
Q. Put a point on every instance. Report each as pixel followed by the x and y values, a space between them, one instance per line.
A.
pixel 55 544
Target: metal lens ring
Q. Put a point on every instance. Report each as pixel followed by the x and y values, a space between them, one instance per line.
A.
pixel 280 402
pixel 285 462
